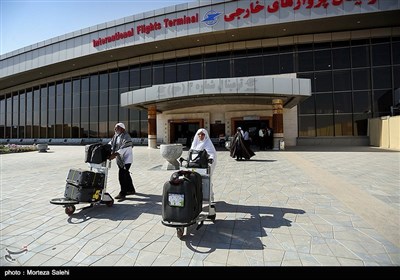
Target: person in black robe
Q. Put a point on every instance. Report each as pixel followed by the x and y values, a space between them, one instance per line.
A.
pixel 239 149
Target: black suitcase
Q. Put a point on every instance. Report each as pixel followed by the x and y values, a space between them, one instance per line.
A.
pixel 82 194
pixel 182 199
pixel 86 178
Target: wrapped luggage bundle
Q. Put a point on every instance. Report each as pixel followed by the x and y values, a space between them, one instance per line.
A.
pixel 97 152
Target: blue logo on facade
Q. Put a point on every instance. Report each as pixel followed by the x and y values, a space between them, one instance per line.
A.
pixel 211 18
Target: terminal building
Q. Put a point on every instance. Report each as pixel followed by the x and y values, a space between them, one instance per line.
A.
pixel 314 71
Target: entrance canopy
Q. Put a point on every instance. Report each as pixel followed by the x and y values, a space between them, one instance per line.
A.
pixel 244 90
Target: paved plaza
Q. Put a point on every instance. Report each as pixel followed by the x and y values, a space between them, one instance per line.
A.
pixel 305 206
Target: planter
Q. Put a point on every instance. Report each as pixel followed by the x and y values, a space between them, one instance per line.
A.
pixel 171 153
pixel 42 148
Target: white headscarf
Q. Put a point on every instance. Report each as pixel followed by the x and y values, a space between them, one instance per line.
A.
pixel 206 144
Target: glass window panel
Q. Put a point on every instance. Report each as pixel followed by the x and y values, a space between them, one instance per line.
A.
pixel 145 76
pixel 29 109
pixel 383 99
pixel 123 81
pixel 114 101
pixel 240 67
pixel 2 116
pixel 22 109
pixel 360 56
pixel 343 125
pixel 381 54
pixel 211 69
pixel 323 60
pixel 322 46
pixel 382 77
pixel 15 117
pixel 360 42
pixel 182 72
pixel 307 106
pixel 43 112
pixel 342 102
pixel 286 49
pixel 341 58
pixel 36 112
pixel 340 44
pixel 224 69
pixel 341 80
pixel 158 75
pixel 52 111
pixel 255 66
pixel 170 72
pixel 9 118
pixel 324 125
pixel 360 124
pixel 103 91
pixel 362 101
pixel 85 94
pixel 21 126
pixel 361 79
pixel 76 105
pixel 143 124
pixel 306 61
pixel 323 81
pixel 123 87
pixel 94 106
pixel 396 52
pixel 253 52
pixel 270 50
pixel 271 64
pixel 196 71
pixel 59 109
pixel 380 40
pixel 286 63
pixel 324 103
pixel 134 123
pixel 396 76
pixel 134 78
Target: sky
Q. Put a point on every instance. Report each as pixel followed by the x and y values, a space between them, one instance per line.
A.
pixel 27 22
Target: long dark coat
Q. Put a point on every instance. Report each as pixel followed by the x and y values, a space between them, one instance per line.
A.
pixel 239 149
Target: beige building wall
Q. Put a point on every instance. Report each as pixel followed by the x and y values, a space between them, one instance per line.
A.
pixel 384 132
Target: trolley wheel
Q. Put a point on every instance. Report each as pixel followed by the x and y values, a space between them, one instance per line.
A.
pixel 69 210
pixel 110 203
pixel 179 232
pixel 212 217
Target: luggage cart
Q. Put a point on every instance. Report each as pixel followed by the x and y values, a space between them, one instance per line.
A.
pixel 99 197
pixel 210 213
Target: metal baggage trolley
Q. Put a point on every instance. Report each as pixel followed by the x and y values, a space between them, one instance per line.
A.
pixel 210 212
pixel 99 197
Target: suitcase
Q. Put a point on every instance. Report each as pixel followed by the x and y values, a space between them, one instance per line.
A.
pixel 182 197
pixel 82 194
pixel 86 178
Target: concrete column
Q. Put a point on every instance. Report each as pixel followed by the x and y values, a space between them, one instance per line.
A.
pixel 277 121
pixel 152 126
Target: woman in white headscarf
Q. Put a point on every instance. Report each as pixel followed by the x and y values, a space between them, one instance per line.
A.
pixel 202 141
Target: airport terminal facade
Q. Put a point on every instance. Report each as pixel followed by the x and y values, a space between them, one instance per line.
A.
pixel 313 70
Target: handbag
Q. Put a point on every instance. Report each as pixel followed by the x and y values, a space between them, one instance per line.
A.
pixel 197 159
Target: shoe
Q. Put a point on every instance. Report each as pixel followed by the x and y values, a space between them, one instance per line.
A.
pixel 120 196
pixel 130 193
